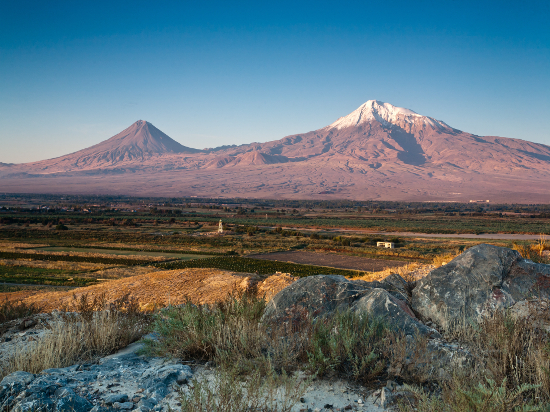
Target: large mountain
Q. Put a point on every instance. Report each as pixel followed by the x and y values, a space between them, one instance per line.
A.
pixel 377 151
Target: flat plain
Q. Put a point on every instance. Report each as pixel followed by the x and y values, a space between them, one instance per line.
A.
pixel 51 242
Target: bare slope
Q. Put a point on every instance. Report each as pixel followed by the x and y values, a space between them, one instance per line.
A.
pixel 140 142
pixel 201 286
pixel 377 151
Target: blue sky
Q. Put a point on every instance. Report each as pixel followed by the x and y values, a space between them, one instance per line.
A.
pixel 211 73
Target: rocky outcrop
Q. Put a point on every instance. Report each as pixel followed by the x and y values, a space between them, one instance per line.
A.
pixel 120 382
pixel 317 295
pixel 322 295
pixel 379 303
pixel 476 283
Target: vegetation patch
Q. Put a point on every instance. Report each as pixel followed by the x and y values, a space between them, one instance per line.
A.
pixel 33 275
pixel 17 310
pixel 263 267
pixel 67 258
pixel 232 335
pixel 85 330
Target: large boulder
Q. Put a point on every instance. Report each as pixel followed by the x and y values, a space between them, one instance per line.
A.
pixel 379 303
pixel 317 295
pixel 476 283
pixel 322 295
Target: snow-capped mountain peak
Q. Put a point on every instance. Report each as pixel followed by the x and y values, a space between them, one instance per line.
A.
pixel 387 114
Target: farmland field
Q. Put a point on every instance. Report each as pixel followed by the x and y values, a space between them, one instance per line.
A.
pixel 71 241
pixel 331 260
pixel 260 266
pixel 122 252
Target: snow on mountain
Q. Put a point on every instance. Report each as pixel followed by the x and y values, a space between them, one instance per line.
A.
pixel 385 113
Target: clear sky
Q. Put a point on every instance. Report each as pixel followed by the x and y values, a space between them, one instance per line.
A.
pixel 74 73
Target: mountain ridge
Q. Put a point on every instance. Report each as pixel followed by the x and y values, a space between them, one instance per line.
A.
pixel 376 151
pixel 138 142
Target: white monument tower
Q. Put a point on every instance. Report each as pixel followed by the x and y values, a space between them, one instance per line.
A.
pixel 220 227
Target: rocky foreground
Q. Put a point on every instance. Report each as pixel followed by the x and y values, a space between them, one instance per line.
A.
pixel 474 285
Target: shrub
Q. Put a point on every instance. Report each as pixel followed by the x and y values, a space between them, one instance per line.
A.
pixel 347 344
pixel 510 368
pixel 74 337
pixel 232 335
pixel 483 397
pixel 230 393
pixel 17 310
pixel 208 332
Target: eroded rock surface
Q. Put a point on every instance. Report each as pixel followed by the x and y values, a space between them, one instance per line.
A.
pixel 119 382
pixel 379 303
pixel 322 295
pixel 476 283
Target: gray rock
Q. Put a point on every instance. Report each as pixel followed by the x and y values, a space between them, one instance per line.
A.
pixel 124 405
pixel 428 359
pixel 117 397
pixel 147 404
pixel 157 391
pixel 386 398
pixel 397 286
pixel 476 283
pixel 174 373
pixel 55 371
pixel 157 385
pixel 68 401
pixel 36 402
pixel 379 303
pixel 317 295
pixel 101 408
pixel 322 295
pixel 21 377
pixel 12 386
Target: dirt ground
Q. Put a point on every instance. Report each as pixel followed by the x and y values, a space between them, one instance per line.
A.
pixel 174 287
pixel 332 260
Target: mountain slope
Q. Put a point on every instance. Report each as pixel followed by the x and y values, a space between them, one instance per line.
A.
pixel 378 134
pixel 139 142
pixel 377 151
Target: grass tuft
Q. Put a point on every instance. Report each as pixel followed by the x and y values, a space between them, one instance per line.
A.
pixel 11 310
pixel 81 336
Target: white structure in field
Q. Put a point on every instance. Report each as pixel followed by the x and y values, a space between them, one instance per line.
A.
pixel 220 227
pixel 389 245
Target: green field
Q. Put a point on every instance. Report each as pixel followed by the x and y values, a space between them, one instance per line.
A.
pixel 263 267
pixel 41 276
pixel 126 252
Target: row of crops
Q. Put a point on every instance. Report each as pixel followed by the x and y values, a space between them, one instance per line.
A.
pixel 71 258
pixel 42 276
pixel 186 252
pixel 264 267
pixel 422 224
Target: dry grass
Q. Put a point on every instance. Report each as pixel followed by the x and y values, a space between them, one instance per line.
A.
pixel 228 392
pixel 11 310
pixel 232 335
pixel 534 251
pixel 510 368
pixel 441 260
pixel 410 272
pixel 173 287
pixel 11 293
pixel 94 330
